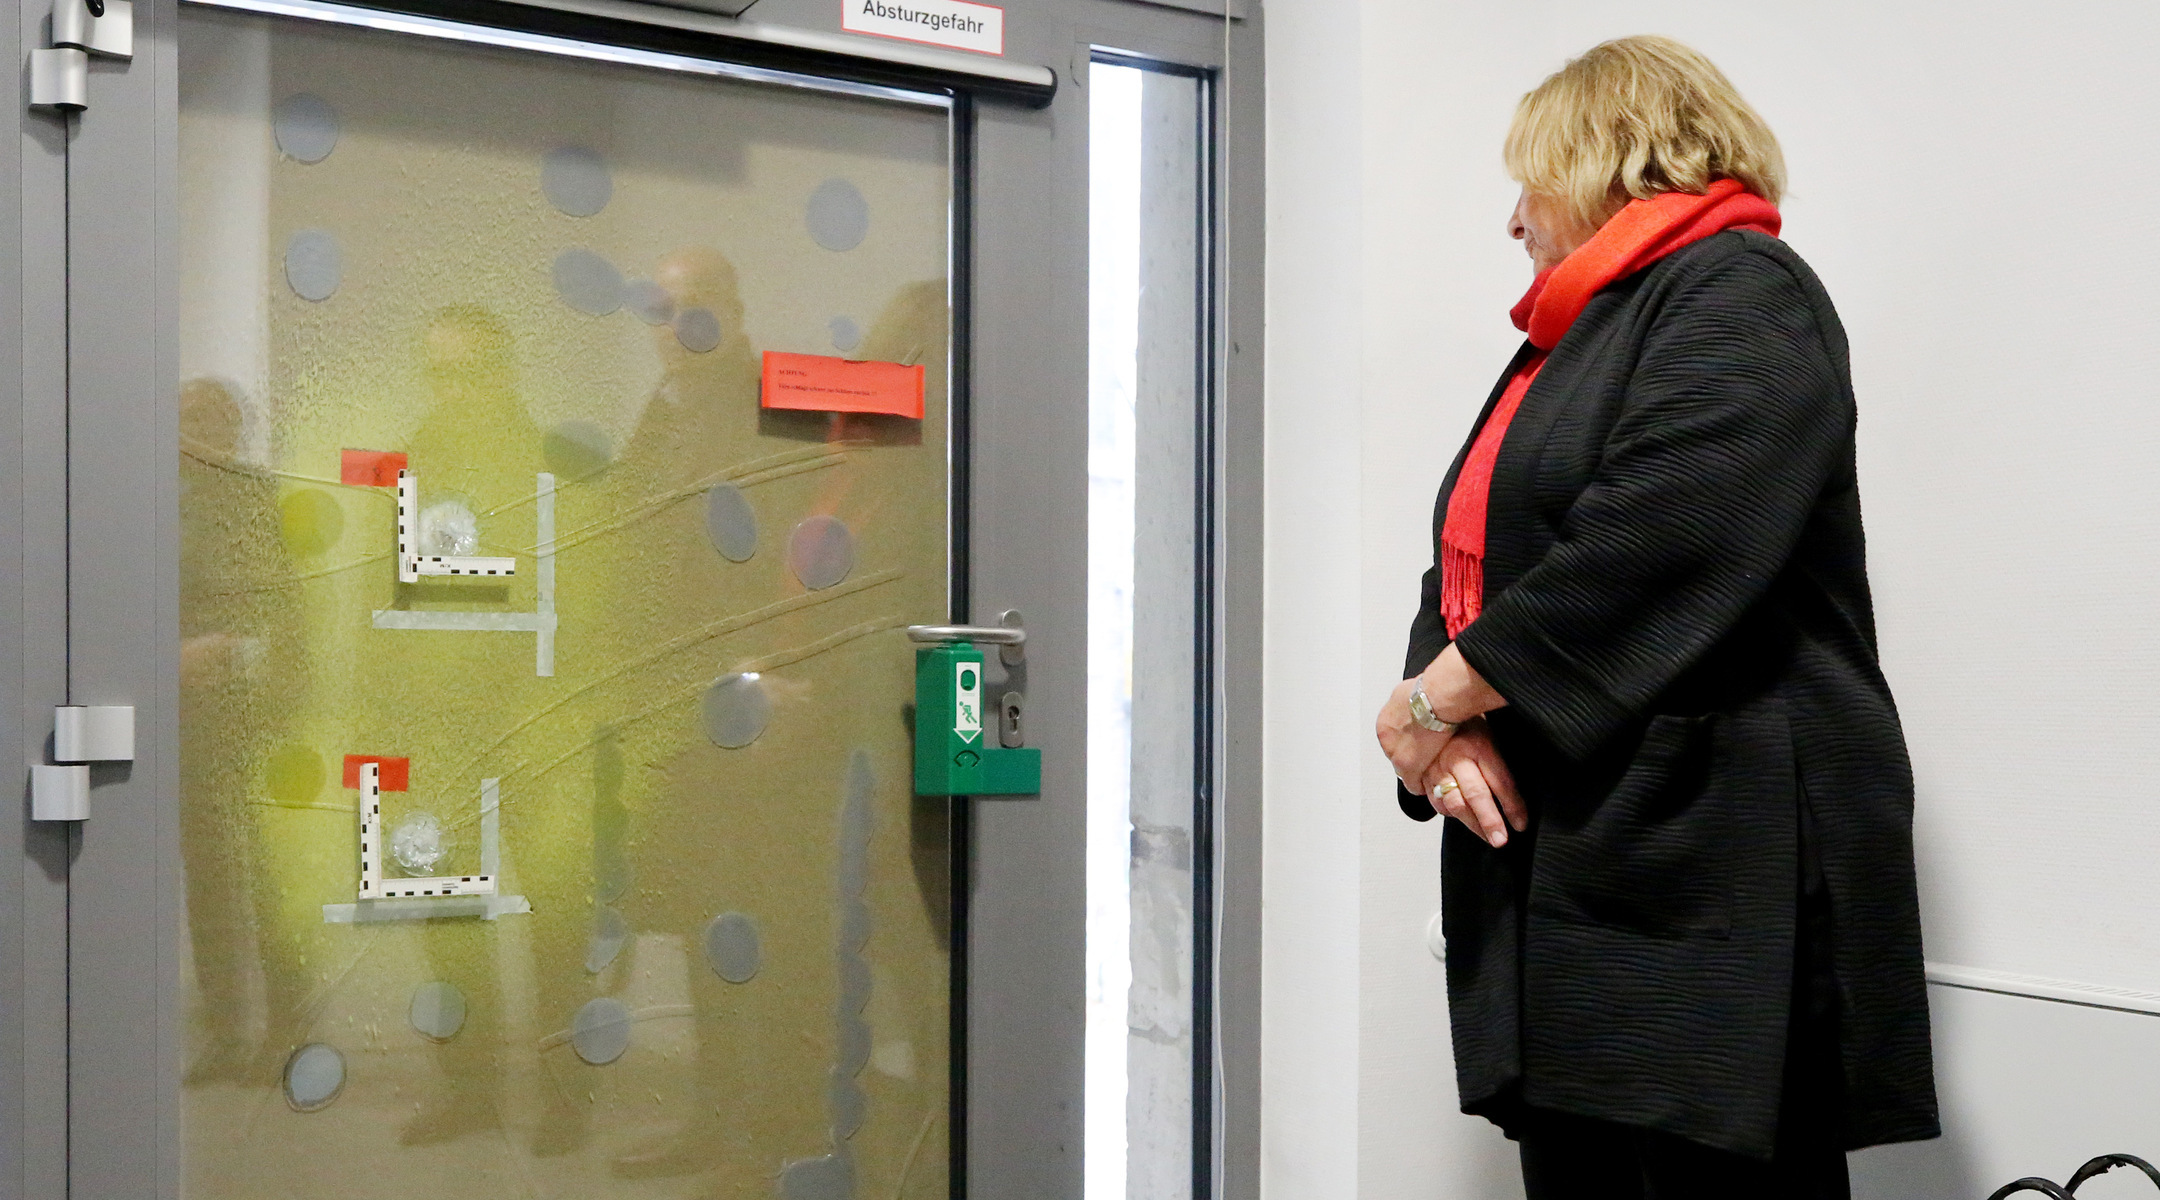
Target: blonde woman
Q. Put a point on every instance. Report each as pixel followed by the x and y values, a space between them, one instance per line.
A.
pixel 1683 944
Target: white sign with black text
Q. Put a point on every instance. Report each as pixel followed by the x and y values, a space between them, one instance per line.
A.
pixel 955 23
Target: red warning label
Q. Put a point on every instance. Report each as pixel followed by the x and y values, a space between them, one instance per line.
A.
pixel 371 468
pixel 816 383
pixel 396 774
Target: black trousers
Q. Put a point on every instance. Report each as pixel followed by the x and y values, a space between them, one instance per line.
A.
pixel 1575 1158
pixel 1567 1157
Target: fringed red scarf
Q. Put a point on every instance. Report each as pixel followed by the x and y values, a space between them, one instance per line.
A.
pixel 1637 236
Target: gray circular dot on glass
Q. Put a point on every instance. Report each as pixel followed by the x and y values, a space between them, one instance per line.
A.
pixel 609 934
pixel 697 329
pixel 577 448
pixel 736 710
pixel 649 301
pixel 576 180
pixel 821 552
pixel 313 265
pixel 730 522
pixel 437 1010
pixel 846 334
pixel 826 1177
pixel 844 1098
pixel 854 1049
pixel 838 217
pixel 601 1031
pixel 854 926
pixel 855 983
pixel 731 946
pixel 313 1076
pixel 305 126
pixel 588 282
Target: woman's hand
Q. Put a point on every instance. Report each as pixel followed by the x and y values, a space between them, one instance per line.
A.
pixel 1470 782
pixel 1410 747
pixel 1459 771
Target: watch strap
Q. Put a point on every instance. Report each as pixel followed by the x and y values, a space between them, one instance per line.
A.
pixel 1421 710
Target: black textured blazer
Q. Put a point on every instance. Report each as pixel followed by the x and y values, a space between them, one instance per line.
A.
pixel 1677 611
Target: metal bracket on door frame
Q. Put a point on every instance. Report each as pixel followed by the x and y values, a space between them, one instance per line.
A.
pixel 60 76
pixel 82 734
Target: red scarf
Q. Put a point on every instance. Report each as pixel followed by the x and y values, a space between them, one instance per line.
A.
pixel 1636 237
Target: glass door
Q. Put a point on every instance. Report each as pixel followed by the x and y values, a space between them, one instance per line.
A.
pixel 563 451
pixel 499 456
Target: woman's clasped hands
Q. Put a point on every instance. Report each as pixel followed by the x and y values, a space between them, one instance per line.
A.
pixel 1460 772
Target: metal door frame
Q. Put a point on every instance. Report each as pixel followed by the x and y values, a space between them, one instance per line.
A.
pixel 89 1043
pixel 1028 910
pixel 33 640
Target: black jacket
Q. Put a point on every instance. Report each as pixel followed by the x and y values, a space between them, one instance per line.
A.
pixel 1677 611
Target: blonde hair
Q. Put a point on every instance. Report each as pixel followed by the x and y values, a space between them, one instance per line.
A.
pixel 1634 117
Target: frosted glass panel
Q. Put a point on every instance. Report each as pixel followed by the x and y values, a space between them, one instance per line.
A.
pixel 546 811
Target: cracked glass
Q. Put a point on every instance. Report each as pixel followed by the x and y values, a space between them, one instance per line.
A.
pixel 545 832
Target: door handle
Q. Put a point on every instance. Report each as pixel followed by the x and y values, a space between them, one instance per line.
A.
pixel 994 635
pixel 1009 635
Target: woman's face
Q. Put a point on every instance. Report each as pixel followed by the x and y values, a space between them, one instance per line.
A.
pixel 1548 230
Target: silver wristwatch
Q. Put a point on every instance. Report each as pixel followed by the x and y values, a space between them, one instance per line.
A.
pixel 1421 710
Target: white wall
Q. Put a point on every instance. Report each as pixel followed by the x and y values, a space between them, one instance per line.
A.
pixel 1970 181
pixel 1309 933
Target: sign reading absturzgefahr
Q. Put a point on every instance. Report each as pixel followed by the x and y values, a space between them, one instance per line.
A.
pixel 957 23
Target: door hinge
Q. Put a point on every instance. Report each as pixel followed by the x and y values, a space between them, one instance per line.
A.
pixel 60 76
pixel 82 734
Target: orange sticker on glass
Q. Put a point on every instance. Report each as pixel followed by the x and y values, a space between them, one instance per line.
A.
pixel 815 383
pixel 371 468
pixel 395 776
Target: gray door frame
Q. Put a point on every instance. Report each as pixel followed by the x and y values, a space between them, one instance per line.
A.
pixel 90 918
pixel 33 641
pixel 1029 894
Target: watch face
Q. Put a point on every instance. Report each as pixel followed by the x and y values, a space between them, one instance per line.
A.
pixel 1421 709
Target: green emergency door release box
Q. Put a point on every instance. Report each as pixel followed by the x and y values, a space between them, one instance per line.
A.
pixel 956 744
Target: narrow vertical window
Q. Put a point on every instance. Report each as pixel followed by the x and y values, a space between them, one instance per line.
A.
pixel 1148 600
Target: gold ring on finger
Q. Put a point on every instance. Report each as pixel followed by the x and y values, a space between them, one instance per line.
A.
pixel 1448 784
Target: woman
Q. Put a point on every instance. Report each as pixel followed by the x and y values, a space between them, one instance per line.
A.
pixel 1683 938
